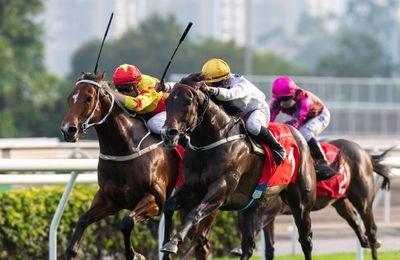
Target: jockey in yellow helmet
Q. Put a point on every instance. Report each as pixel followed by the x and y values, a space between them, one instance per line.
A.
pixel 246 99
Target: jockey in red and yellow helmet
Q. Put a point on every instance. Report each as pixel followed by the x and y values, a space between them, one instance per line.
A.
pixel 137 92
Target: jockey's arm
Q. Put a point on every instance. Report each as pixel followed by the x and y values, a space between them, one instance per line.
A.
pixel 302 109
pixel 274 108
pixel 164 86
pixel 141 101
pixel 227 94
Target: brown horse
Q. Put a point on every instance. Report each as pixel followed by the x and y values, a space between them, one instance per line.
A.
pixel 225 176
pixel 139 182
pixel 359 197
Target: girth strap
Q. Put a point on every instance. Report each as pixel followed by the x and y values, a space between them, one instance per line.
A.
pixel 130 156
pixel 217 143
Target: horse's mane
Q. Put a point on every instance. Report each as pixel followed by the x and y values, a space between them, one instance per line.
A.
pixel 87 75
pixel 197 81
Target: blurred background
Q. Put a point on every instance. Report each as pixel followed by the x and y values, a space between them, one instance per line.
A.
pixel 45 44
pixel 345 51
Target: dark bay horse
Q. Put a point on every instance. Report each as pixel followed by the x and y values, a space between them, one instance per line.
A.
pixel 358 198
pixel 139 182
pixel 225 176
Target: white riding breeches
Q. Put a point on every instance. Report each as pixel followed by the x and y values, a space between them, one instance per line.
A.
pixel 257 119
pixel 316 125
pixel 156 122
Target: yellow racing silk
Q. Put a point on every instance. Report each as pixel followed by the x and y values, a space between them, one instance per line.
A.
pixel 148 99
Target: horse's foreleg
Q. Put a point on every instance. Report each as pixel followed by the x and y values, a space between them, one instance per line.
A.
pixel 269 237
pixel 247 221
pixel 173 203
pixel 99 209
pixel 200 245
pixel 346 211
pixel 147 208
pixel 214 198
pixel 300 202
pixel 364 208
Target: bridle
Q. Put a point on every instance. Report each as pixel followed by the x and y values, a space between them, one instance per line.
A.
pixel 200 118
pixel 86 124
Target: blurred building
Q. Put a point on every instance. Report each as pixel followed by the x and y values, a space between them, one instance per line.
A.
pixel 273 23
pixel 70 23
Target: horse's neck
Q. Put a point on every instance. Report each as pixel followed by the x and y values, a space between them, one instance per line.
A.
pixel 213 127
pixel 120 133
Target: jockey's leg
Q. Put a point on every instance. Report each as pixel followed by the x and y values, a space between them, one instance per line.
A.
pixel 256 124
pixel 156 123
pixel 309 130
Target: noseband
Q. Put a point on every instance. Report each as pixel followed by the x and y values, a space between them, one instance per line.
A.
pixel 86 125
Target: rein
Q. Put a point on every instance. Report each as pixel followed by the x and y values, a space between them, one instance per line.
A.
pixel 200 119
pixel 86 125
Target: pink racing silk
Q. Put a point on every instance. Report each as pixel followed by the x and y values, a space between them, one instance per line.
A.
pixel 307 106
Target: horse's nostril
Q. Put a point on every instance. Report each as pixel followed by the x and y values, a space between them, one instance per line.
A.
pixel 72 130
pixel 172 132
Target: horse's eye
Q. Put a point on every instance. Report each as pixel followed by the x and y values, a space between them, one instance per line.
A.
pixel 88 100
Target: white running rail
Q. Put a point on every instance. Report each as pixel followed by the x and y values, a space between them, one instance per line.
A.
pixel 76 166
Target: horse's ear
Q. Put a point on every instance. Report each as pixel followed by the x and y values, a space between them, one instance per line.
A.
pixel 202 86
pixel 100 76
pixel 193 79
pixel 80 76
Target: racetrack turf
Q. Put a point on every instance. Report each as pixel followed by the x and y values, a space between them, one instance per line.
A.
pixel 352 256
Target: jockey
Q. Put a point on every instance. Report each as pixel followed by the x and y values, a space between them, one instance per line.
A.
pixel 309 115
pixel 246 98
pixel 137 93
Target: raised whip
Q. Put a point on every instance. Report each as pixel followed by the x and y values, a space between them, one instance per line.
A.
pixel 173 54
pixel 102 43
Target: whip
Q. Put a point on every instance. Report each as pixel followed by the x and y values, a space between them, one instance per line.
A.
pixel 102 43
pixel 173 54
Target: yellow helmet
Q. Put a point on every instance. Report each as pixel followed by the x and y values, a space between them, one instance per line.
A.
pixel 215 70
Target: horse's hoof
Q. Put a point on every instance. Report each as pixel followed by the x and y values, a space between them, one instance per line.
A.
pixel 364 243
pixel 236 251
pixel 378 244
pixel 138 256
pixel 170 247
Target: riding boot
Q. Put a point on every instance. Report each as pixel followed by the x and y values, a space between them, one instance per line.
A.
pixel 277 150
pixel 323 170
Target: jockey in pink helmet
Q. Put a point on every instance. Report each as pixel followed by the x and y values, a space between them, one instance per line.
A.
pixel 309 115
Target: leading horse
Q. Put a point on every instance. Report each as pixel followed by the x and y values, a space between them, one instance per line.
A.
pixel 134 171
pixel 221 171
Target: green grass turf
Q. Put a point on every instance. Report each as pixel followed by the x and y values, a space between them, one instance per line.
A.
pixel 351 256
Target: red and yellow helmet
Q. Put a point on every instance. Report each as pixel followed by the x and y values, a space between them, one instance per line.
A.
pixel 126 74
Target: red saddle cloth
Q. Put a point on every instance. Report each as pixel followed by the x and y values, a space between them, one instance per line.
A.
pixel 336 186
pixel 285 173
pixel 180 151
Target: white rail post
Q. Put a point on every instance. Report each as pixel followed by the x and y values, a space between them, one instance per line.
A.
pixel 57 216
pixel 294 238
pixel 262 247
pixel 387 207
pixel 161 231
pixel 359 249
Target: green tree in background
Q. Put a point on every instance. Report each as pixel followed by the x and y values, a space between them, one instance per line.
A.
pixel 28 95
pixel 151 44
pixel 356 55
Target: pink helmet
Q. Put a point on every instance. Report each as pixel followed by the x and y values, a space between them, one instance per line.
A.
pixel 283 87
